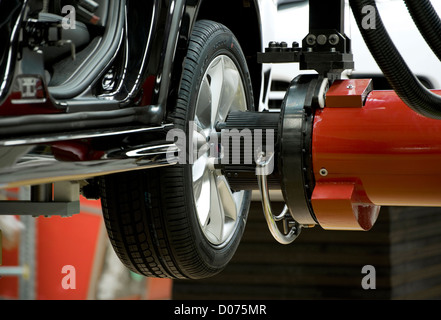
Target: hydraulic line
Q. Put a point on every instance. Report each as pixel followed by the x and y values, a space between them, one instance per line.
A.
pixel 428 22
pixel 392 64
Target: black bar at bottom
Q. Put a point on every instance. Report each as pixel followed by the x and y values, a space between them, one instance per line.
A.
pixel 23 208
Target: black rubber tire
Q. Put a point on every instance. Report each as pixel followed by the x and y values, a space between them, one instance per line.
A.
pixel 150 215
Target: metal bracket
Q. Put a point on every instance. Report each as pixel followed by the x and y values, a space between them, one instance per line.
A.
pixel 35 209
pixel 62 201
pixel 326 49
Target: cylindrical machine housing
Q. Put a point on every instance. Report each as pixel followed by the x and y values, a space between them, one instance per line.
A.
pixel 383 152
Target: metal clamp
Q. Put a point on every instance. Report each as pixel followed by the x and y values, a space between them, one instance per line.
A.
pixel 291 228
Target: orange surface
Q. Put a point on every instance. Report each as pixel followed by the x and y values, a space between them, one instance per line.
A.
pixel 63 242
pixel 338 206
pixel 9 285
pixel 348 93
pixel 390 152
pixel 159 289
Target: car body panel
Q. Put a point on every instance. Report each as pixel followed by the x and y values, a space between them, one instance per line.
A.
pixel 151 67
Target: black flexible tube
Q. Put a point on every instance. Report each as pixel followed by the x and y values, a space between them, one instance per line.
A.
pixel 428 22
pixel 392 64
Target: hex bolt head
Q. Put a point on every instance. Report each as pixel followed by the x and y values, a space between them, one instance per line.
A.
pixel 284 46
pixel 273 46
pixel 334 39
pixel 322 39
pixel 311 39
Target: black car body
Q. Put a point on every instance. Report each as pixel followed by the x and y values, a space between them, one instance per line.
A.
pixel 122 89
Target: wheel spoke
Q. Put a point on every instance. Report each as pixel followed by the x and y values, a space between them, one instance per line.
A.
pixel 202 196
pixel 199 168
pixel 200 144
pixel 227 198
pixel 204 104
pixel 216 74
pixel 215 223
pixel 230 91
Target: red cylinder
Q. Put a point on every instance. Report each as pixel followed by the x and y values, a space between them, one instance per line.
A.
pixel 388 152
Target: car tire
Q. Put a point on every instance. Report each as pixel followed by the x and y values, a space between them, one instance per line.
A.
pixel 158 220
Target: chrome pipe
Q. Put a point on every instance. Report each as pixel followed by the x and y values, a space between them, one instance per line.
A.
pixel 271 219
pixel 67 158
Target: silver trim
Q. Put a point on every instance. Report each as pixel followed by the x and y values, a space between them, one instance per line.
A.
pixel 96 133
pixel 30 161
pixel 283 238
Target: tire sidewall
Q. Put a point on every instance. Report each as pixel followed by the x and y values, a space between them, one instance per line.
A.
pixel 219 43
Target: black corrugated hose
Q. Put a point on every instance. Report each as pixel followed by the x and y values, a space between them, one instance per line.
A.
pixel 428 22
pixel 400 77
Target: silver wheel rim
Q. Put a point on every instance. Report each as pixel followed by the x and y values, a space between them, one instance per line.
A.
pixel 218 208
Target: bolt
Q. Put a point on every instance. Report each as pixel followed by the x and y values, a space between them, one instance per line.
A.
pixel 295 46
pixel 311 39
pixel 274 46
pixel 322 39
pixel 323 172
pixel 334 39
pixel 283 46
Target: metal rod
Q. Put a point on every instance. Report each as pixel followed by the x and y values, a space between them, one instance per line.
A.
pixel 270 218
pixel 14 271
pixel 329 14
pixel 41 193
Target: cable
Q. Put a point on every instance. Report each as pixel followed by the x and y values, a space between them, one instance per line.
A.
pixel 392 64
pixel 428 22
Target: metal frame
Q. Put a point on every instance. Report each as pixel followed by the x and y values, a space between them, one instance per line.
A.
pixel 326 49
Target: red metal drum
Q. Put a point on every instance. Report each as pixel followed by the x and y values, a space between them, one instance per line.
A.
pixel 381 153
